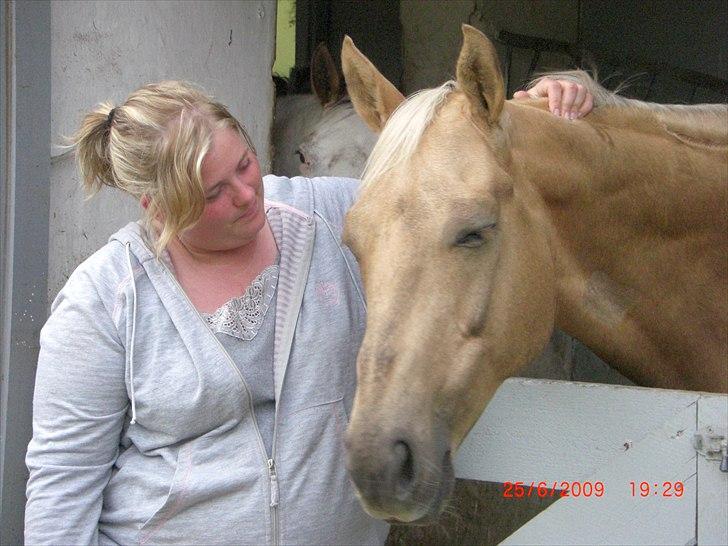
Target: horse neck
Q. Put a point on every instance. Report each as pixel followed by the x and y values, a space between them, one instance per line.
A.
pixel 627 207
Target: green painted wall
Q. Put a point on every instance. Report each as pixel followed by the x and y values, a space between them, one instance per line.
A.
pixel 285 38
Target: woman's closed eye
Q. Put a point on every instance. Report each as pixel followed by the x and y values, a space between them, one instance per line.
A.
pixel 214 193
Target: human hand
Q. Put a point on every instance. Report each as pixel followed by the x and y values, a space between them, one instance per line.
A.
pixel 567 99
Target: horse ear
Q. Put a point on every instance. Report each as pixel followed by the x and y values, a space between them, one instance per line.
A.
pixel 479 75
pixel 325 79
pixel 373 96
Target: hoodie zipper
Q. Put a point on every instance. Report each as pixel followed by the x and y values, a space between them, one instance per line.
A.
pixel 273 498
pixel 270 463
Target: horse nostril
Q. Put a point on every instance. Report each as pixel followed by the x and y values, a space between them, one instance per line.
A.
pixel 405 463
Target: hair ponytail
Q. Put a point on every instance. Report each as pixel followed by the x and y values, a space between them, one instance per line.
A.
pixel 92 148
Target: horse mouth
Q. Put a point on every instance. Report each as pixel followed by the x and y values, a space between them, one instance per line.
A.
pixel 419 504
pixel 433 513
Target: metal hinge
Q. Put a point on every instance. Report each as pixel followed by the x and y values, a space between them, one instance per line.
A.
pixel 712 444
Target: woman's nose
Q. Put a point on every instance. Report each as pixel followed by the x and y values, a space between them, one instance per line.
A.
pixel 243 193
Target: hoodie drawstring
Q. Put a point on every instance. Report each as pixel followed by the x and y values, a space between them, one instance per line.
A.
pixel 133 333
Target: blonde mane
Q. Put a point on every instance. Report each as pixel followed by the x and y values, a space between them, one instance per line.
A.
pixel 404 130
pixel 700 124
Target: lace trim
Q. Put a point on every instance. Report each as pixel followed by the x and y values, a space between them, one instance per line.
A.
pixel 241 317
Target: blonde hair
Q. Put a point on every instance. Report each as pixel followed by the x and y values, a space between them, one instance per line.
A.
pixel 153 145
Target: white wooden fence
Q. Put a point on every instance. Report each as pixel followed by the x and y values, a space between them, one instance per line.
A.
pixel 636 443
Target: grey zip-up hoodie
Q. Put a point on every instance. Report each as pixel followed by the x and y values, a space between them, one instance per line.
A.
pixel 143 429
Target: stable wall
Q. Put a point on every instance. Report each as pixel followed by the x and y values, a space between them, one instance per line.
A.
pixel 691 35
pixel 104 50
pixel 432 36
pixel 688 35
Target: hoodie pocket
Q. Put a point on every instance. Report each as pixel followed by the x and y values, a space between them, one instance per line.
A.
pixel 175 500
pixel 318 504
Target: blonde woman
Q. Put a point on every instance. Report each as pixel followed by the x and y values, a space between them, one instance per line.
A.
pixel 196 373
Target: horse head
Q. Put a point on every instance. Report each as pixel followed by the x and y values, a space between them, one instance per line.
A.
pixel 320 134
pixel 459 285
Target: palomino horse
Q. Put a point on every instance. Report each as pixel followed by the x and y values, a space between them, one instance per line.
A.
pixel 483 223
pixel 320 134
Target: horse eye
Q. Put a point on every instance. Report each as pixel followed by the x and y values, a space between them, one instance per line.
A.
pixel 473 239
pixel 300 155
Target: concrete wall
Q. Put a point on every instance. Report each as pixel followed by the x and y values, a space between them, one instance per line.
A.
pixel 104 50
pixel 25 113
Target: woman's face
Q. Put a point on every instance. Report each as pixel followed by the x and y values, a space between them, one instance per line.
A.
pixel 234 212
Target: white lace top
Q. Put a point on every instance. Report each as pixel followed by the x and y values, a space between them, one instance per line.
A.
pixel 241 317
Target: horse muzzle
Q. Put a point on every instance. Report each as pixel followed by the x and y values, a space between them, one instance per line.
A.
pixel 398 478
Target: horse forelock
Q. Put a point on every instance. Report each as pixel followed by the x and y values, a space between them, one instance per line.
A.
pixel 403 132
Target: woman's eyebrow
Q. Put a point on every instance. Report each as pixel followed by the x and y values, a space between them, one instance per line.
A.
pixel 243 156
